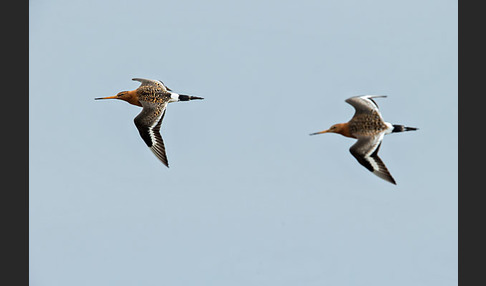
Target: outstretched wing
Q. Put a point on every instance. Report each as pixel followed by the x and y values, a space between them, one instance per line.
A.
pixel 151 82
pixel 148 123
pixel 365 150
pixel 364 103
pixel 165 86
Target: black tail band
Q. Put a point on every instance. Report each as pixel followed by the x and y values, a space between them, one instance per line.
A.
pixel 183 97
pixel 401 128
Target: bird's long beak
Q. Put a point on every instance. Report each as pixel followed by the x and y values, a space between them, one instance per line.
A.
pixel 320 132
pixel 109 97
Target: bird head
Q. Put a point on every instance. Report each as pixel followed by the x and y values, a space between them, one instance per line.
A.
pixel 121 95
pixel 336 128
pixel 340 128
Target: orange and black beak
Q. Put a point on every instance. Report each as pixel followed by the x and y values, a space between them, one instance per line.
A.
pixel 109 97
pixel 320 132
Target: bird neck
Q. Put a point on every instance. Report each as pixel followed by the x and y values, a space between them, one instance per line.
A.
pixel 131 97
pixel 343 129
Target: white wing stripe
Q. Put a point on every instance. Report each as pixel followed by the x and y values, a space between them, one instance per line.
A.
pixel 376 142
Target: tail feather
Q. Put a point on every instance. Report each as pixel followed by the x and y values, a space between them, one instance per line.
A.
pixel 183 97
pixel 402 128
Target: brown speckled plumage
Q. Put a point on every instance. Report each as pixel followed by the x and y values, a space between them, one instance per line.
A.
pixel 366 124
pixel 153 94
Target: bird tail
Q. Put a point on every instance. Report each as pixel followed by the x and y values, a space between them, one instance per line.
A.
pixel 183 97
pixel 402 128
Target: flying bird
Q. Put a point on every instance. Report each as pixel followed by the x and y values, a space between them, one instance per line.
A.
pixel 368 126
pixel 153 96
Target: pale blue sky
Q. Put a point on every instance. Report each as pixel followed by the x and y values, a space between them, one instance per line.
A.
pixel 250 198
